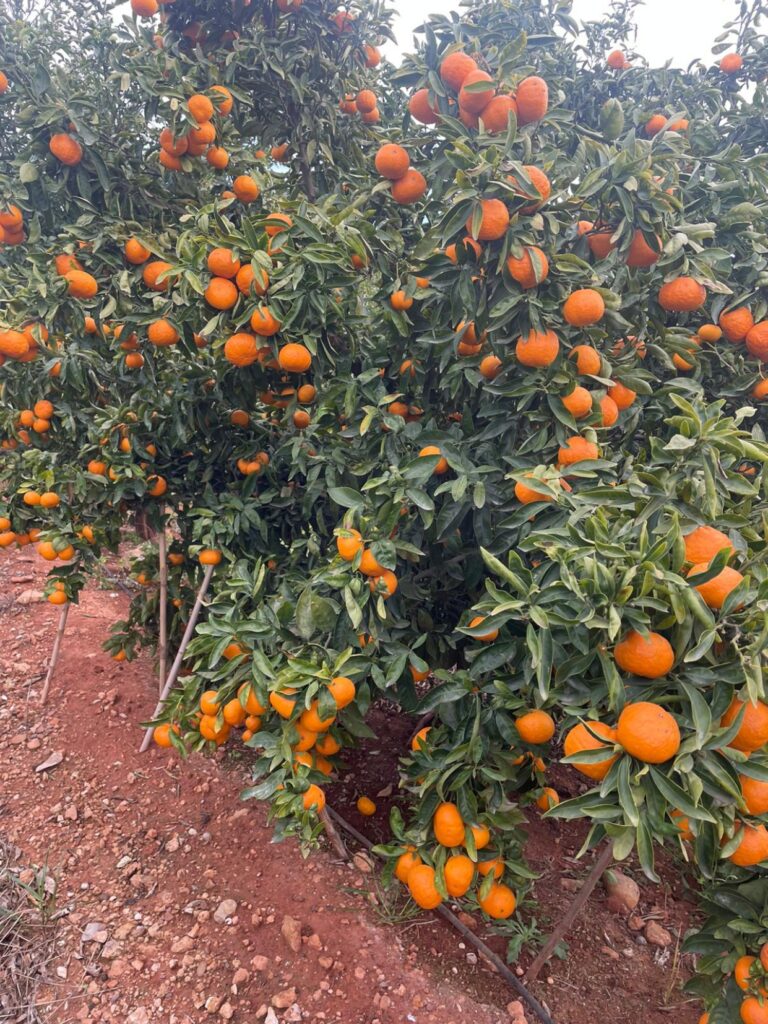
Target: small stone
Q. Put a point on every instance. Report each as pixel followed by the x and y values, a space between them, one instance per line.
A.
pixel 61 972
pixel 226 909
pixel 212 1004
pixel 30 597
pixel 363 863
pixel 240 976
pixel 314 941
pixel 138 1016
pixel 110 950
pixel 71 813
pixel 226 1011
pixel 656 935
pixel 271 1017
pixel 611 953
pixel 516 1011
pixel 570 884
pixel 34 744
pixel 468 920
pixel 183 945
pixel 471 958
pixel 623 891
pixel 326 962
pixel 172 845
pixel 635 923
pixel 283 999
pixel 95 931
pixel 291 932
pixel 259 963
pixel 293 1013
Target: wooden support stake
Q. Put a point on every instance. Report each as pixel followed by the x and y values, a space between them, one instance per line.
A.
pixel 162 645
pixel 565 924
pixel 180 654
pixel 333 834
pixel 63 616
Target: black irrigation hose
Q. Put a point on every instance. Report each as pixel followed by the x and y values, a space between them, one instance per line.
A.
pixel 512 980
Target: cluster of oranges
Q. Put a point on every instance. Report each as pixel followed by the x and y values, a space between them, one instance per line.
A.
pixel 364 103
pixel 12 226
pixel 200 140
pixel 394 163
pixel 351 548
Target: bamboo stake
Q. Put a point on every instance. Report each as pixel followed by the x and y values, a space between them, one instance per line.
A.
pixel 512 980
pixel 565 924
pixel 180 653
pixel 162 646
pixel 63 616
pixel 332 832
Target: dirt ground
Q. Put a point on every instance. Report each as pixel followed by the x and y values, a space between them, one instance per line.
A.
pixel 175 906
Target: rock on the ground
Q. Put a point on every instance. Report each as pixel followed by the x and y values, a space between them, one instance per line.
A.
pixel 655 935
pixel 290 929
pixel 623 892
pixel 283 999
pixel 224 910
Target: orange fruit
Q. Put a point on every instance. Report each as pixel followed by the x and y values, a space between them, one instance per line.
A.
pixel 468 244
pixel 209 556
pixel 548 799
pixel 454 69
pixel 49 499
pixel 535 727
pixel 246 188
pixel 537 349
pixel 481 835
pixel 410 188
pixel 200 107
pixel 343 691
pixel 162 333
pixel 484 638
pixel 490 367
pixel 161 734
pixel 67 150
pixel 578 402
pixel 152 272
pixel 311 719
pixel 420 739
pixel 225 104
pixel 475 102
pixel 648 656
pixel 609 412
pixel 736 324
pixel 247 278
pixel 754 1010
pixel 307 737
pixel 494 221
pixel 532 98
pixel 294 358
pixel 579 738
pixel 577 449
pixel 223 263
pixel 313 799
pixel 704 542
pixel 584 307
pixel 709 333
pixel 499 902
pixel 392 161
pixel 404 863
pixel 648 732
pixel 366 806
pixel 528 495
pixel 655 124
pixel 284 702
pixel 716 590
pixel 81 285
pixel 441 466
pixel 757 341
pixel 681 295
pixel 348 547
pixel 399 301
pixel 495 114
pixel 753 731
pixel 421 885
pixel 135 252
pixel 588 360
pixel 420 108
pixel 459 873
pixel 241 349
pixel 327 745
pixel 234 713
pixel 753 847
pixel 755 795
pixel 485 867
pixel 530 269
pixel 731 63
pixel 448 825
pixel 221 293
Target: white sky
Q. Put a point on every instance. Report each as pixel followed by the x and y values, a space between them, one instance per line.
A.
pixel 676 29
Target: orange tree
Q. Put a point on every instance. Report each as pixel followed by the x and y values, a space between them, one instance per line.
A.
pixel 457 368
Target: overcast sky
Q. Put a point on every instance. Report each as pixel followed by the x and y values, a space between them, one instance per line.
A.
pixel 668 29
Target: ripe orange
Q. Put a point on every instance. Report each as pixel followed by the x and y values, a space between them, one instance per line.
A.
pixel 579 738
pixel 753 1011
pixel 500 901
pixel 405 862
pixel 578 402
pixel 530 269
pixel 162 333
pixel 760 390
pixel 704 542
pixel 135 252
pixel 716 590
pixel 682 295
pixel 284 702
pixel 476 102
pixel 753 847
pixel 753 731
pixel 365 101
pixel 441 466
pixel 494 221
pixel 459 873
pixel 495 115
pixel 532 98
pixel 49 499
pixel 485 867
pixel 468 244
pixel 455 68
pixel 67 150
pixel 420 739
pixel 294 358
pixel 152 272
pixel 246 188
pixel 388 580
pixel 420 108
pixel 241 349
pixel 283 223
pixel 348 547
pixel 366 806
pixel 200 107
pixel 369 566
pixel 248 279
pixel 709 333
pixel 528 495
pixel 209 704
pixel 311 719
pixel 264 322
pixel 736 324
pixel 535 727
pixel 306 393
pixel 239 418
pixel 392 161
pixel 655 124
pixel 583 307
pixel 327 745
pixel 313 799
pixel 731 63
pixel 641 254
pixel 648 656
pixel 226 102
pixel 609 411
pixel 483 638
pixel 209 556
pixel 742 971
pixel 548 799
pixel 81 285
pixel 448 825
pixel 648 732
pixel 577 449
pixel 399 301
pixel 161 734
pixel 421 885
pixel 490 367
pixel 409 188
pixel 755 795
pixel 538 349
pixel 616 60
pixel 223 263
pixel 234 712
pixel 307 737
pixel 343 690
pixel 623 396
pixel 253 705
pixel 301 419
pixel 221 293
pixel 588 359
pixel 757 341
